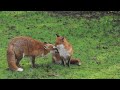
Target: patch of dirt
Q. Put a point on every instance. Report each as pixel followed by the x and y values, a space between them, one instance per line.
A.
pixel 86 14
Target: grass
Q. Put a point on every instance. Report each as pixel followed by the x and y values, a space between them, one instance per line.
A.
pixel 96 41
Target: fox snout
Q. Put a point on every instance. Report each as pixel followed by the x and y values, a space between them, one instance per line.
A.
pixel 55 50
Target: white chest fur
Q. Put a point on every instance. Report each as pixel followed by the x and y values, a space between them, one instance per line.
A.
pixel 63 52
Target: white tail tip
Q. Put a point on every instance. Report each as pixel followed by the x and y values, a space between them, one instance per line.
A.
pixel 20 69
pixel 79 63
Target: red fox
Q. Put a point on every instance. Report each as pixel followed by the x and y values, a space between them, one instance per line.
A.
pixel 57 59
pixel 65 49
pixel 21 46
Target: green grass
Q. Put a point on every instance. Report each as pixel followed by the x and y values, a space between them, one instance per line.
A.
pixel 96 43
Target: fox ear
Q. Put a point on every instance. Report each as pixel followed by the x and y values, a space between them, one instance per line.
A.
pixel 57 35
pixel 45 42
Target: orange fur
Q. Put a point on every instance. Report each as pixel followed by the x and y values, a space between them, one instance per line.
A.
pixel 57 59
pixel 62 40
pixel 25 46
pixel 67 47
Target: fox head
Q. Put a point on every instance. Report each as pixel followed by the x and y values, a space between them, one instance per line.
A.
pixel 49 47
pixel 60 39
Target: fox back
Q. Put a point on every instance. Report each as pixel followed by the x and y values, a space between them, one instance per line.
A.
pixel 25 46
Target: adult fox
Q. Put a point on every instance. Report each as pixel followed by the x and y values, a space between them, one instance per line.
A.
pixel 64 48
pixel 22 46
pixel 57 59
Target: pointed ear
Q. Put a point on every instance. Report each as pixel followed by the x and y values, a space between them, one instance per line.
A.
pixel 57 35
pixel 45 42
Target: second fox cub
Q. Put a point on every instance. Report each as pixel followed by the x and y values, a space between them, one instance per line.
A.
pixel 25 46
pixel 65 49
pixel 57 59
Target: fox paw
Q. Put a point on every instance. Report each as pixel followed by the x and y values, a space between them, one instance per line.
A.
pixel 20 69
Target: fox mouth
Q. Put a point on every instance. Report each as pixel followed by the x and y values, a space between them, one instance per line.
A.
pixel 55 49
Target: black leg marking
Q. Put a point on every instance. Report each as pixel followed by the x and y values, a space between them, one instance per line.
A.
pixel 33 61
pixel 68 62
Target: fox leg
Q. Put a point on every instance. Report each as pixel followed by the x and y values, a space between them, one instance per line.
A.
pixel 33 61
pixel 64 62
pixel 68 62
pixel 18 61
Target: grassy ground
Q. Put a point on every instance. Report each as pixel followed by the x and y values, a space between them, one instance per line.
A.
pixel 96 41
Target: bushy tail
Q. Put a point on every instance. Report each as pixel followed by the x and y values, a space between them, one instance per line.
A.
pixel 75 61
pixel 11 59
